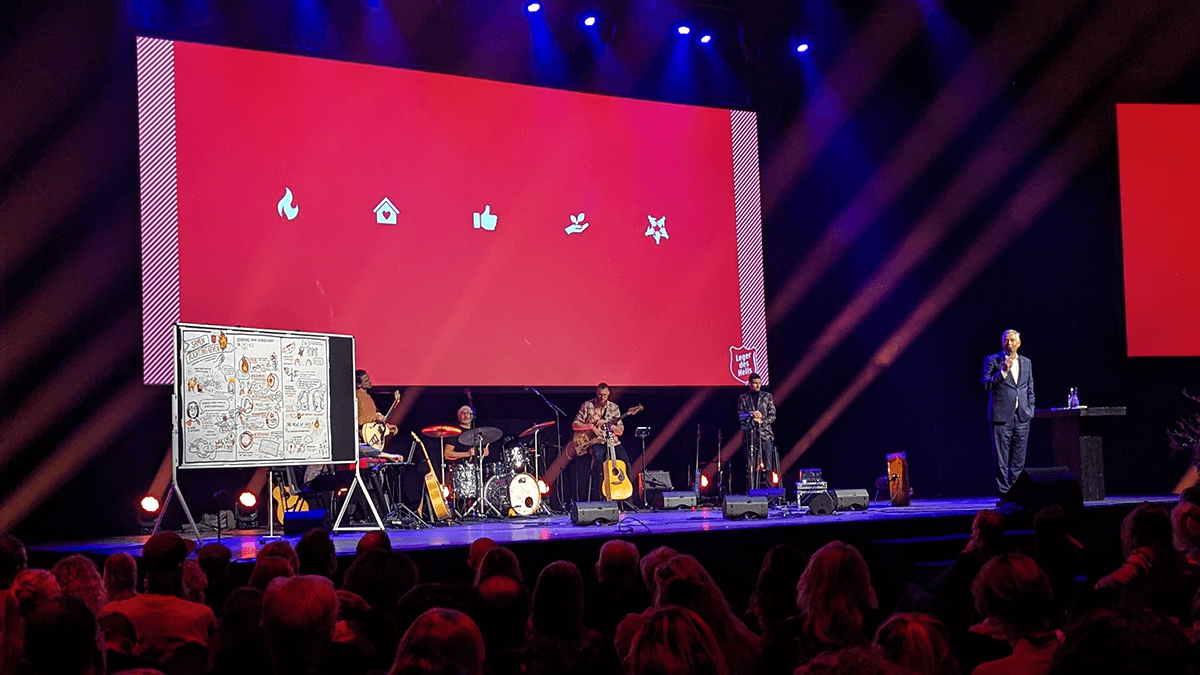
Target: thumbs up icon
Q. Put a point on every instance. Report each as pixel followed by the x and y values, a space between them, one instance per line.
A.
pixel 485 220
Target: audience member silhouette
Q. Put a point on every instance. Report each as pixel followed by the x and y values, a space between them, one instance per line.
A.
pixel 381 578
pixel 440 641
pixel 632 623
pixel 836 606
pixel 238 647
pixel 556 641
pixel 120 639
pixel 674 641
pixel 281 549
pixel 1125 641
pixel 214 560
pixel 268 569
pixel 1015 592
pixel 316 553
pixel 499 560
pixel 682 581
pixel 1154 574
pixel 418 600
pixel 918 643
pixel 375 540
pixel 298 615
pixel 120 576
pixel 78 576
pixel 499 606
pixel 164 620
pixel 774 597
pixel 618 590
pixel 1059 554
pixel 63 638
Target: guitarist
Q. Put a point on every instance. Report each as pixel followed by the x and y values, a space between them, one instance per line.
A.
pixel 596 415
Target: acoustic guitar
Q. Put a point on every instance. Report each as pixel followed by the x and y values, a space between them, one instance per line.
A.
pixel 616 485
pixel 437 498
pixel 582 440
pixel 287 501
pixel 375 434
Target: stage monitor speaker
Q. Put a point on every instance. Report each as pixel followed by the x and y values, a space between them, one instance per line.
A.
pixel 737 507
pixel 1054 486
pixel 820 504
pixel 591 513
pixel 674 500
pixel 850 500
pixel 298 522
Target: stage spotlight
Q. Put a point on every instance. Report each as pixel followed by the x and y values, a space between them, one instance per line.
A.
pixel 533 7
pixel 706 39
pixel 590 20
pixel 802 47
pixel 542 487
pixel 246 512
pixel 148 510
pixel 774 478
pixel 684 30
pixel 703 482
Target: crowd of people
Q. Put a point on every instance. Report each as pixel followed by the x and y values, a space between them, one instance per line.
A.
pixel 994 610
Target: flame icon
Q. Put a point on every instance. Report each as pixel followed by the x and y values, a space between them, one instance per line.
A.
pixel 285 206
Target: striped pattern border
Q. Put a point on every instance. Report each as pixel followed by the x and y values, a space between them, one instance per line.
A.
pixel 747 202
pixel 159 206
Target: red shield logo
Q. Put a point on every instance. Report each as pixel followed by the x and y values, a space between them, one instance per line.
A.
pixel 742 363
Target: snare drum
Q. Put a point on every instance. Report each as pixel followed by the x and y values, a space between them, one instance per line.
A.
pixel 464 483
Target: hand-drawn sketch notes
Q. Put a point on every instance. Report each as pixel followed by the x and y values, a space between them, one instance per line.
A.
pixel 252 398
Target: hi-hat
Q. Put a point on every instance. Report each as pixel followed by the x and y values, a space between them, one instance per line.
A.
pixel 480 436
pixel 441 431
pixel 535 427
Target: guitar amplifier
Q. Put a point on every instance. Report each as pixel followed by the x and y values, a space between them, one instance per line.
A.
pixel 651 483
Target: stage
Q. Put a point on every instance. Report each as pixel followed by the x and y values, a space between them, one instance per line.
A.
pixel 910 543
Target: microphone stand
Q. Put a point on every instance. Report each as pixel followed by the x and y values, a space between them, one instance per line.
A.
pixel 558 414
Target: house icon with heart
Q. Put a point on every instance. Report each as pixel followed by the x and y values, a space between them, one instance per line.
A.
pixel 385 212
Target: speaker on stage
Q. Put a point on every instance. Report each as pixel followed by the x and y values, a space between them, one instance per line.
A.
pixel 1053 486
pixel 820 504
pixel 742 506
pixel 851 500
pixel 591 513
pixel 298 522
pixel 674 500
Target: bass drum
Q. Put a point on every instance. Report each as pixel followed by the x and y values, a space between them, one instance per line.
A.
pixel 518 493
pixel 464 483
pixel 523 495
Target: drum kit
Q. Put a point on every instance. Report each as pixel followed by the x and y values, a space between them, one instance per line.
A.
pixel 507 486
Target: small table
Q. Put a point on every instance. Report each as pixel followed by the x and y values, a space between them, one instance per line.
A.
pixel 1077 445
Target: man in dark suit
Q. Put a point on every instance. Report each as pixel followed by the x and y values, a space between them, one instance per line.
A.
pixel 756 413
pixel 1009 380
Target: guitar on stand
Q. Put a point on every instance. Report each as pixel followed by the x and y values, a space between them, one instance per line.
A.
pixel 616 485
pixel 437 498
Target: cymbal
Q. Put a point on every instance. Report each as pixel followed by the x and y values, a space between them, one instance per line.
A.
pixel 441 431
pixel 480 436
pixel 535 427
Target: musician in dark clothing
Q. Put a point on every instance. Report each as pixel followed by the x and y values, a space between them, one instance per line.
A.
pixel 756 413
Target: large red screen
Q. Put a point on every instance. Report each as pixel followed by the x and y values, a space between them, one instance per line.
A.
pixel 529 235
pixel 1160 224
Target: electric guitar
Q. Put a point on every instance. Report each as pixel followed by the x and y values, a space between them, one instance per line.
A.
pixel 375 434
pixel 582 440
pixel 437 499
pixel 616 485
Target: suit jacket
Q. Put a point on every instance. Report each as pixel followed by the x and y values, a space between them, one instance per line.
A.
pixel 1007 397
pixel 766 406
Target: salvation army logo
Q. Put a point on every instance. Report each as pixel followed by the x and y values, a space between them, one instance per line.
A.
pixel 742 363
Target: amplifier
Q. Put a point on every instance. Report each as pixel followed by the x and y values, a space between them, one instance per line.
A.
pixel 591 513
pixel 741 506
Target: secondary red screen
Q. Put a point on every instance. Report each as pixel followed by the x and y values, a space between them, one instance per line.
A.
pixel 1160 224
pixel 530 235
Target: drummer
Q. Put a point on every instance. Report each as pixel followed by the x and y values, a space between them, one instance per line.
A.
pixel 466 420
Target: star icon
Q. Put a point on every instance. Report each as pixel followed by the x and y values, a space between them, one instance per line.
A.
pixel 657 229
